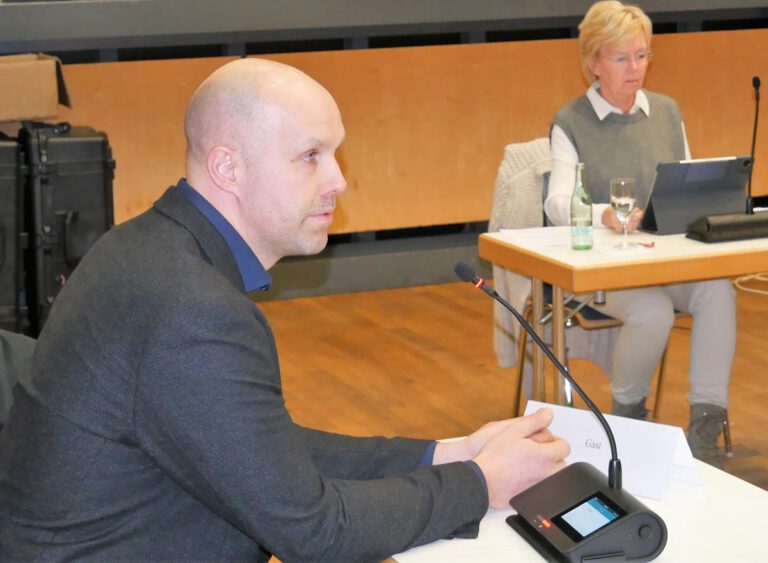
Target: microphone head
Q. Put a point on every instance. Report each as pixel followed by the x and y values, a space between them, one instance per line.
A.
pixel 755 82
pixel 465 272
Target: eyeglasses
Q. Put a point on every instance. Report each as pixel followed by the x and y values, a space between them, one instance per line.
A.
pixel 640 59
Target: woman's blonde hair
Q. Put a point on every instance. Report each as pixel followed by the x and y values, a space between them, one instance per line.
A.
pixel 607 22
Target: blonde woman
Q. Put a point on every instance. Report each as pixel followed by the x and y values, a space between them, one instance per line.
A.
pixel 618 129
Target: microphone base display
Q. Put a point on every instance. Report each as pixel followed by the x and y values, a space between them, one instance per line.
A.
pixel 574 515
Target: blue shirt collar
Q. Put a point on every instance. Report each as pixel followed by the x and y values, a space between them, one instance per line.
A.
pixel 255 277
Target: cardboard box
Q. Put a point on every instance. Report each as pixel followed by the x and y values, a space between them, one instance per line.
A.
pixel 31 87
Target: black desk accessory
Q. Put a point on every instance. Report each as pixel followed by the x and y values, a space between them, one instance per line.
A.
pixel 575 515
pixel 735 226
pixel 732 226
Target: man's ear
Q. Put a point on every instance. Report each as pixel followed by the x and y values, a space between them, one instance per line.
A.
pixel 221 165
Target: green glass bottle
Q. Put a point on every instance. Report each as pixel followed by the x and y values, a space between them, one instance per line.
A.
pixel 581 212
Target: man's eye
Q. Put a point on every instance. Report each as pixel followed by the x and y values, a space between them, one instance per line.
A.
pixel 310 156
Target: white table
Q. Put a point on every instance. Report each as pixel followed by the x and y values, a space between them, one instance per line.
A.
pixel 545 255
pixel 723 520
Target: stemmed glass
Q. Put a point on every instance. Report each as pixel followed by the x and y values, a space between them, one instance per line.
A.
pixel 623 202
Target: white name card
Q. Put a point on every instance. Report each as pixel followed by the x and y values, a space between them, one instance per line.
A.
pixel 651 454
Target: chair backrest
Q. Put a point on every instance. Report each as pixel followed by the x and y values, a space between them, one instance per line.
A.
pixel 517 195
pixel 14 349
pixel 517 204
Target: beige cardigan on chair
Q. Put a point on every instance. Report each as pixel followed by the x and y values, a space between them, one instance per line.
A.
pixel 518 204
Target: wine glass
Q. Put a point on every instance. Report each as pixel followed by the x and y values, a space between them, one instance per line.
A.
pixel 623 202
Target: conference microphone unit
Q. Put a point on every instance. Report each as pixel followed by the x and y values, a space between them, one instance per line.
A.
pixel 735 226
pixel 576 514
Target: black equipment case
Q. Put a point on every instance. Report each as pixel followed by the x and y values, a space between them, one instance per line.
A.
pixel 12 171
pixel 68 205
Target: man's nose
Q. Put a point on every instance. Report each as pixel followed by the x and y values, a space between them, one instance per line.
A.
pixel 337 183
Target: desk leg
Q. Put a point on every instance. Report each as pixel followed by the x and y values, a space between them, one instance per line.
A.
pixel 537 300
pixel 558 340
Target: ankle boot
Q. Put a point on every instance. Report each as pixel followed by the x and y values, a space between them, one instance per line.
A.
pixel 632 410
pixel 704 429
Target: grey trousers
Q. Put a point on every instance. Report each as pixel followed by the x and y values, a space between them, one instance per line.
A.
pixel 648 315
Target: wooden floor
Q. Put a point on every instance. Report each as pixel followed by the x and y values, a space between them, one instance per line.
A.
pixel 419 362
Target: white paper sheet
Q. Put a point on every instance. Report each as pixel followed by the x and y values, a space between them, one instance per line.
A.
pixel 651 454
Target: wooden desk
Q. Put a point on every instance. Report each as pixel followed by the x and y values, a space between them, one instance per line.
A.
pixel 545 255
pixel 718 521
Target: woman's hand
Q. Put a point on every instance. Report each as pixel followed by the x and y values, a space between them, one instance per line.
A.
pixel 611 221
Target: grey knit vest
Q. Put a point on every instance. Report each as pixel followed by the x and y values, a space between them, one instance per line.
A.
pixel 623 145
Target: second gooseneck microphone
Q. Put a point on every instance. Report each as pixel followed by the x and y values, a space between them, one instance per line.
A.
pixel 756 86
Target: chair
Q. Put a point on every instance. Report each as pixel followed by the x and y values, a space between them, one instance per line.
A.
pixel 577 314
pixel 14 349
pixel 517 204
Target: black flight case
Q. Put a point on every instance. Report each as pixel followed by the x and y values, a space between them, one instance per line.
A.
pixel 12 172
pixel 68 205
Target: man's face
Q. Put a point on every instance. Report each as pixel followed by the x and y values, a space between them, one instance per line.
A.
pixel 292 178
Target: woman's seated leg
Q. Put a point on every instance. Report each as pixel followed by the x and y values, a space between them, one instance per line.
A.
pixel 713 343
pixel 648 315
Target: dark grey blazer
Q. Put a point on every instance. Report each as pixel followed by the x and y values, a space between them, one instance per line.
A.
pixel 151 425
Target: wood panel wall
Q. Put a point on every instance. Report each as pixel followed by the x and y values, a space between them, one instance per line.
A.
pixel 426 126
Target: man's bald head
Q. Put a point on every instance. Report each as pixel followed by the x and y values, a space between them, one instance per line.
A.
pixel 231 107
pixel 261 149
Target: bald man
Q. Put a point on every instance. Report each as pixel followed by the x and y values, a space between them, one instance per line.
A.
pixel 150 424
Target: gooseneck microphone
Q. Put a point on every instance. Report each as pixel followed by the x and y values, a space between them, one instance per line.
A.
pixel 467 274
pixel 573 515
pixel 735 226
pixel 756 86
